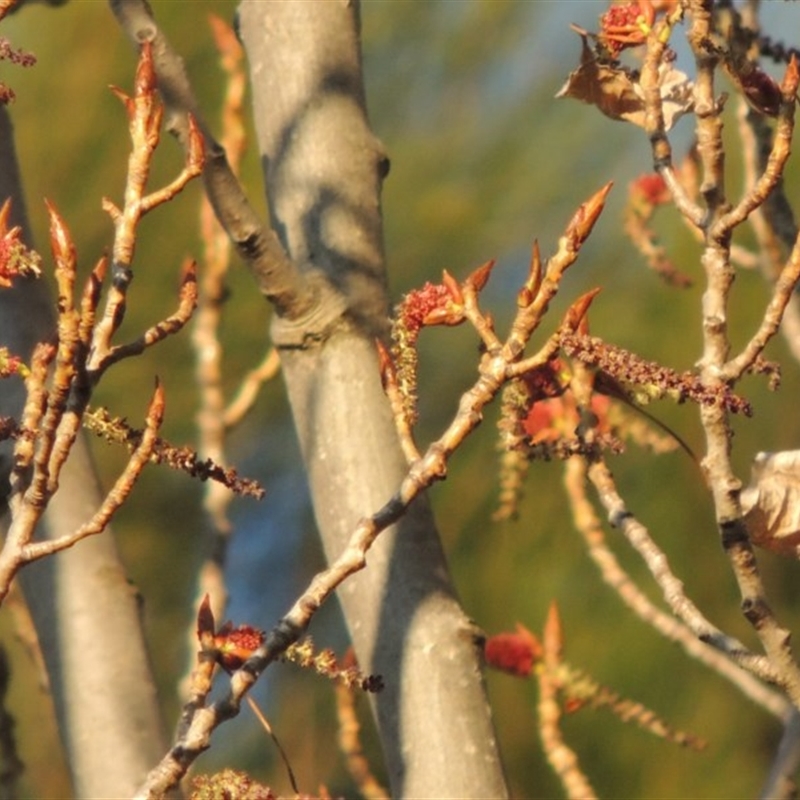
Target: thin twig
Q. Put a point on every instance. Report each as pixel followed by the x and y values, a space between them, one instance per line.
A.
pixel 259 246
pixel 772 173
pixel 562 758
pixel 725 486
pixel 26 635
pixel 656 128
pixel 169 326
pixel 782 292
pixel 145 115
pixel 671 586
pixel 773 223
pixel 268 728
pixel 781 783
pixel 495 369
pixel 119 492
pixel 350 745
pixel 588 524
pixel 397 402
pixel 249 388
pixel 211 425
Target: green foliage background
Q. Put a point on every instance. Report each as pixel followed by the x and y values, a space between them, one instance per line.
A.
pixel 483 161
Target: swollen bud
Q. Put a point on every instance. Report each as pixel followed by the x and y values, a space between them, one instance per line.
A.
pixel 453 289
pixel 576 313
pixel 479 277
pixel 145 82
pixel 60 239
pixel 530 289
pixel 205 618
pixel 581 224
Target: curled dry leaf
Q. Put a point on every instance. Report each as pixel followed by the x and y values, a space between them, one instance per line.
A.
pixel 771 503
pixel 616 91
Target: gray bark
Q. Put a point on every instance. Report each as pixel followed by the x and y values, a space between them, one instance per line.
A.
pixel 86 613
pixel 323 169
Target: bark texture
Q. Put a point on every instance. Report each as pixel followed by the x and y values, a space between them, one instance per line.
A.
pixel 323 169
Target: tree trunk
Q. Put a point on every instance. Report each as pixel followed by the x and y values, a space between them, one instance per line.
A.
pixel 86 613
pixel 323 169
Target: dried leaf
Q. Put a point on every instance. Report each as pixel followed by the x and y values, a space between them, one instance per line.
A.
pixel 771 503
pixel 615 90
pixel 760 90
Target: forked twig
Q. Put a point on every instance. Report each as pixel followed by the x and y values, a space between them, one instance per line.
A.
pixel 636 600
pixel 56 403
pixel 497 366
pixel 671 587
pixel 256 243
pixel 119 492
pixel 145 116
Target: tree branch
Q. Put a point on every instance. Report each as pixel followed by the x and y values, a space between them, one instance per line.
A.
pixel 257 244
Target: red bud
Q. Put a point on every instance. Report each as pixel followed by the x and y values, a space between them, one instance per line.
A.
pixel 515 653
pixel 236 645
